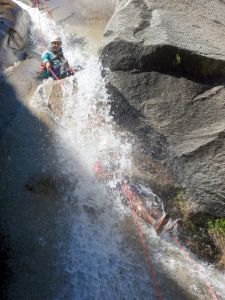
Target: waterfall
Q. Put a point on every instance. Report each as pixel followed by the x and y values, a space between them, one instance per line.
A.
pixel 101 256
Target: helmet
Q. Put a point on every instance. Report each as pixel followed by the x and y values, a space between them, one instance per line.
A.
pixel 56 39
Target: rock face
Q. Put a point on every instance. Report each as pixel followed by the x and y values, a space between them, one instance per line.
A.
pixel 29 2
pixel 18 81
pixel 167 64
pixel 95 9
pixel 14 33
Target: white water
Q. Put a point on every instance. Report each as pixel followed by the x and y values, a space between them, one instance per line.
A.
pixel 101 255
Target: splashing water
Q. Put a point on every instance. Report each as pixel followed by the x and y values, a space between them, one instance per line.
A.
pixel 101 255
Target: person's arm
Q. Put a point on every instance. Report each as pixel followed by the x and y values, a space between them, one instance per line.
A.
pixel 46 59
pixel 142 211
pixel 65 61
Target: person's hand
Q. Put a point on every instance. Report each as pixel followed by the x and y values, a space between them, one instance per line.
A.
pixel 42 67
pixel 47 64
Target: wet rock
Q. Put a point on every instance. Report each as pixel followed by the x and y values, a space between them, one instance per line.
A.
pixel 16 86
pixel 5 255
pixel 161 36
pixel 90 211
pixel 96 9
pixel 54 95
pixel 167 67
pixel 46 185
pixel 14 33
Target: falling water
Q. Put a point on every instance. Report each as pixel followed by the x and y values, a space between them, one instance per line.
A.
pixel 100 254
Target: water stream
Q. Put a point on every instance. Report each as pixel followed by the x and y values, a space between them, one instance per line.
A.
pixel 99 255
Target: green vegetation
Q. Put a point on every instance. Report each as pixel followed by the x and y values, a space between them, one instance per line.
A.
pixel 178 59
pixel 179 195
pixel 217 226
pixel 180 206
pixel 201 233
pixel 216 229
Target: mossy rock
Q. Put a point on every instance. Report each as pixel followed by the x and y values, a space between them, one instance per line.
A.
pixel 201 233
pixel 216 229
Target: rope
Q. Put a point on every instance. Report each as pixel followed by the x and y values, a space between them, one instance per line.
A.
pixel 46 9
pixel 36 5
pixel 53 74
pixel 186 253
pixel 50 17
pixel 127 191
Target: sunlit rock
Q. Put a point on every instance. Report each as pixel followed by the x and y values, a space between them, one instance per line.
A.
pixel 167 66
pixel 14 33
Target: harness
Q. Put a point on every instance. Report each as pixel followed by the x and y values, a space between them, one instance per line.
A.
pixel 59 64
pixel 57 60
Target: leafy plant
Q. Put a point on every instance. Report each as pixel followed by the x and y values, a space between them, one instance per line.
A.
pixel 217 225
pixel 178 58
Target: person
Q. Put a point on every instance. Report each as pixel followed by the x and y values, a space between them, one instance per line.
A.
pixel 138 199
pixel 153 214
pixel 54 63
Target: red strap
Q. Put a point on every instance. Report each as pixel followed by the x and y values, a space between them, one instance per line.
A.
pixel 46 8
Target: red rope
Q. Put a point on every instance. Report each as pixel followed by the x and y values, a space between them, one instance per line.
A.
pixel 127 191
pixel 54 75
pixel 41 40
pixel 46 8
pixel 39 18
pixel 36 3
pixel 181 247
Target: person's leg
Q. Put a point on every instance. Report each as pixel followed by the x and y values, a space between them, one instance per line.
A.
pixel 142 211
pixel 161 223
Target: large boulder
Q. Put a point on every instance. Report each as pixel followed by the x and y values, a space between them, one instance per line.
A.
pixel 96 9
pixel 14 33
pixel 166 36
pixel 167 64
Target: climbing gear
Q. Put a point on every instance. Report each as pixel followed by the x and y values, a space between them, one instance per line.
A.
pixel 53 74
pixel 58 63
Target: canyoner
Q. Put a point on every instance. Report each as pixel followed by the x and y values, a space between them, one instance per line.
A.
pixel 145 203
pixel 54 64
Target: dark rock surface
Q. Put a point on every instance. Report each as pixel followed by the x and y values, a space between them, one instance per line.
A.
pixel 167 68
pixel 16 81
pixel 20 82
pixel 14 33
